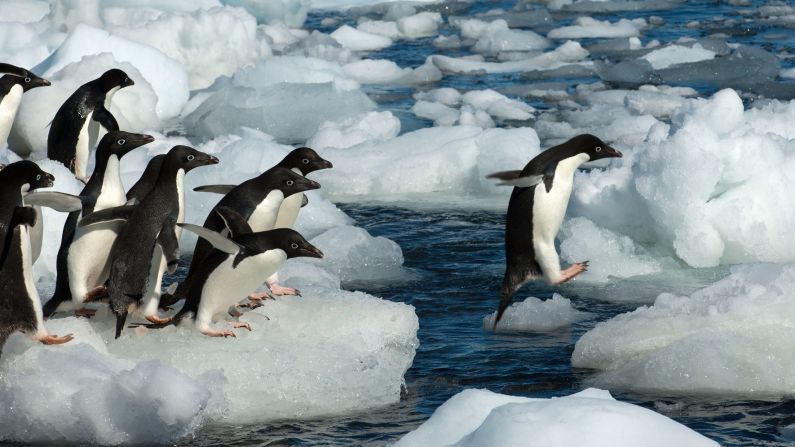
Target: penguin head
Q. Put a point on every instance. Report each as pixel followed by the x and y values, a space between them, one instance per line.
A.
pixel 187 158
pixel 290 182
pixel 595 148
pixel 119 143
pixel 294 245
pixel 27 175
pixel 27 82
pixel 306 160
pixel 115 78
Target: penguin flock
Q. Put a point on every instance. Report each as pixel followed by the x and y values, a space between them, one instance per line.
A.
pixel 117 245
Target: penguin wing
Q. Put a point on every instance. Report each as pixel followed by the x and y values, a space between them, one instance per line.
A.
pixel 514 178
pixel 169 243
pixel 105 118
pixel 24 215
pixel 305 201
pixel 220 242
pixel 234 222
pixel 217 189
pixel 65 203
pixel 107 215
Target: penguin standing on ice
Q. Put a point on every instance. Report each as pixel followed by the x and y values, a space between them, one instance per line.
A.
pixel 11 89
pixel 151 222
pixel 235 267
pixel 536 210
pixel 147 180
pixel 74 129
pixel 82 263
pixel 20 305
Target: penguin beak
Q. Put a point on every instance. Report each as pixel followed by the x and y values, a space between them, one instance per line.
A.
pixel 44 83
pixel 326 165
pixel 310 184
pixel 208 159
pixel 50 179
pixel 610 152
pixel 312 252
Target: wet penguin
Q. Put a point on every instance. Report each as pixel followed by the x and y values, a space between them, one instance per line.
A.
pixel 258 200
pixel 536 210
pixel 82 263
pixel 20 305
pixel 11 89
pixel 236 266
pixel 302 161
pixel 75 126
pixel 147 180
pixel 151 222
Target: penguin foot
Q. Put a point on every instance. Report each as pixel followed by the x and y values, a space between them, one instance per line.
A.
pixel 242 326
pixel 56 340
pixel 157 320
pixel 96 294
pixel 572 271
pixel 219 333
pixel 278 290
pixel 87 313
pixel 259 296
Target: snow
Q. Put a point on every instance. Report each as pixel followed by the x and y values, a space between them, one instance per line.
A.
pixel 477 417
pixel 729 338
pixel 590 27
pixel 535 315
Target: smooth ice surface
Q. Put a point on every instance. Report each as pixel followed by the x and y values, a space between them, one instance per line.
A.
pixel 535 315
pixel 677 54
pixel 730 338
pixel 354 255
pixel 358 40
pixel 590 27
pixel 476 417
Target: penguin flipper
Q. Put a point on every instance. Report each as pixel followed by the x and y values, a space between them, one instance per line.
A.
pixel 549 174
pixel 236 224
pixel 217 189
pixel 59 201
pixel 105 118
pixel 24 215
pixel 515 178
pixel 107 215
pixel 305 201
pixel 218 241
pixel 169 243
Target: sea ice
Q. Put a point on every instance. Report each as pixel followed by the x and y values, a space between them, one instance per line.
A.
pixel 677 54
pixel 370 127
pixel 357 40
pixel 585 27
pixel 568 53
pixel 535 315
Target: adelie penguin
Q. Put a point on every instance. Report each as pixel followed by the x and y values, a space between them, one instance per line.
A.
pixel 151 222
pixel 74 129
pixel 20 305
pixel 11 89
pixel 536 210
pixel 235 267
pixel 83 258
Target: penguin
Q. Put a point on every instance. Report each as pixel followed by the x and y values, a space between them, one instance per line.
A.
pixel 82 262
pixel 303 161
pixel 72 129
pixel 20 305
pixel 536 210
pixel 235 267
pixel 258 200
pixel 11 89
pixel 14 70
pixel 147 180
pixel 149 223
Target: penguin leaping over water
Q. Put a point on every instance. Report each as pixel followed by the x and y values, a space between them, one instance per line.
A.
pixel 536 210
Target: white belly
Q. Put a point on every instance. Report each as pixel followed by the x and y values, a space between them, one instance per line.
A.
pixel 37 235
pixel 112 193
pixel 83 149
pixel 30 286
pixel 549 208
pixel 226 286
pixel 264 216
pixel 8 111
pixel 288 211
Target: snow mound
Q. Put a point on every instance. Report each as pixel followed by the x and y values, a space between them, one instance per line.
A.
pixel 585 27
pixel 474 418
pixel 535 315
pixel 731 337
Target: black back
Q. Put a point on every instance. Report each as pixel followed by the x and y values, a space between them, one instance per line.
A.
pixel 147 181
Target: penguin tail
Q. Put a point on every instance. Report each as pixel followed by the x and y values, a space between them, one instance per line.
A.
pixel 121 318
pixel 515 277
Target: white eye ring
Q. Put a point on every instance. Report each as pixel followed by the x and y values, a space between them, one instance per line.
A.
pixel 294 246
pixel 27 79
pixel 38 176
pixel 289 183
pixel 121 142
pixel 191 157
pixel 598 149
pixel 305 161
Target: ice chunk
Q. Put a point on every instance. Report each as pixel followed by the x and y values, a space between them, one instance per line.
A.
pixel 357 40
pixel 497 105
pixel 383 71
pixel 475 418
pixel 565 54
pixel 590 27
pixel 441 114
pixel 728 338
pixel 290 12
pixel 537 315
pixel 370 127
pixel 20 11
pixel 423 24
pixel 445 95
pixel 677 54
pixel 381 28
pixel 497 38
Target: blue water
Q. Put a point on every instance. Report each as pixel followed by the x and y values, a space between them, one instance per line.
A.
pixel 458 258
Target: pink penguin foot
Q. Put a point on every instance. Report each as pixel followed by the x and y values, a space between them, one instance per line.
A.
pixel 259 296
pixel 278 290
pixel 242 326
pixel 96 294
pixel 87 313
pixel 219 333
pixel 572 271
pixel 55 340
pixel 157 320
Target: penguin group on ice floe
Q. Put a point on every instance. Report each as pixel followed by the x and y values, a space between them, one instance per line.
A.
pixel 116 245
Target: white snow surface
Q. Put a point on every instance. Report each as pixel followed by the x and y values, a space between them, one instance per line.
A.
pixel 590 418
pixel 729 338
pixel 536 315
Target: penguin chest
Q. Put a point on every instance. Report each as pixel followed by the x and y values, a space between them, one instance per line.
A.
pixel 227 285
pixel 264 216
pixel 82 148
pixel 27 275
pixel 288 211
pixel 112 192
pixel 180 201
pixel 549 207
pixel 9 105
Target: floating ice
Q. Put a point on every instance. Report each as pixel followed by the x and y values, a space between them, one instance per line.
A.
pixel 569 52
pixel 353 254
pixel 370 127
pixel 383 71
pixel 729 338
pixel 474 418
pixel 290 12
pixel 498 105
pixel 535 315
pixel 677 54
pixel 423 24
pixel 497 38
pixel 445 95
pixel 357 40
pixel 590 27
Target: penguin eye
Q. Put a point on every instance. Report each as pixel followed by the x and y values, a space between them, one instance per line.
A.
pixel 27 79
pixel 191 157
pixel 598 149
pixel 294 246
pixel 289 183
pixel 305 161
pixel 38 176
pixel 121 142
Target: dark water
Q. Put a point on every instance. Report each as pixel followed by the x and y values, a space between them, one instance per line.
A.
pixel 458 258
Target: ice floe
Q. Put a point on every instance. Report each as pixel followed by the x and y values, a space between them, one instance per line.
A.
pixel 535 315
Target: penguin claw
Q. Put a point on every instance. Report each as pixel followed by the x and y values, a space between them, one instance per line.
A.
pixel 259 296
pixel 242 326
pixel 219 333
pixel 278 290
pixel 56 340
pixel 157 320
